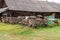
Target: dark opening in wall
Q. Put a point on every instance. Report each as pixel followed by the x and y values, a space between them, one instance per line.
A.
pixel 57 15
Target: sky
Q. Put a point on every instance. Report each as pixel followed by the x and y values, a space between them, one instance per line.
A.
pixel 57 1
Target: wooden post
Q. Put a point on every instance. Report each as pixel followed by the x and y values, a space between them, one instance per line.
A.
pixel 53 14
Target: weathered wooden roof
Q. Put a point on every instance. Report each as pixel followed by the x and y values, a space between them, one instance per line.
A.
pixel 3 9
pixel 33 5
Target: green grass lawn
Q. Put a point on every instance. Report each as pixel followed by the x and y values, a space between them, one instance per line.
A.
pixel 20 32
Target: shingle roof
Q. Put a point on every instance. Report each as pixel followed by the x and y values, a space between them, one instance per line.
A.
pixel 33 5
pixel 3 9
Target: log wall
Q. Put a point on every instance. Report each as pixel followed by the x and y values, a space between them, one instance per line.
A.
pixel 2 4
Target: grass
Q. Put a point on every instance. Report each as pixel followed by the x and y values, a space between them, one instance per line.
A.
pixel 20 32
pixel 15 29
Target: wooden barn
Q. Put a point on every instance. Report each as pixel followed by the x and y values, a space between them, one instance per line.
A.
pixel 31 7
pixel 24 8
